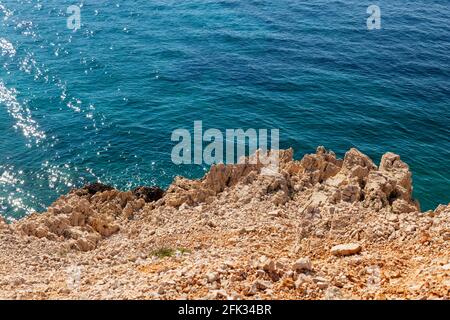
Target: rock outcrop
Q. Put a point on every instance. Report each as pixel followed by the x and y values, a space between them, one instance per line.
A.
pixel 83 217
pixel 319 228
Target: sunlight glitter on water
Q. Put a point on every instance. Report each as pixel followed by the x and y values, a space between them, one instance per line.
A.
pixel 7 48
pixel 10 179
pixel 21 114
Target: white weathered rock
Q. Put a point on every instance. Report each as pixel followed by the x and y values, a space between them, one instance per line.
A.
pixel 212 277
pixel 322 285
pixel 261 285
pixel 333 293
pixel 321 282
pixel 266 264
pixel 302 264
pixel 301 279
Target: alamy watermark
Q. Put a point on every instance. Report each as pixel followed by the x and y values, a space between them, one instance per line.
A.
pixel 374 20
pixel 235 146
pixel 74 20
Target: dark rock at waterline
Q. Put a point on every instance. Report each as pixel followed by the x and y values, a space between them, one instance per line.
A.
pixel 149 194
pixel 93 188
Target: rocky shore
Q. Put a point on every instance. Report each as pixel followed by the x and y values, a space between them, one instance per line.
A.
pixel 322 228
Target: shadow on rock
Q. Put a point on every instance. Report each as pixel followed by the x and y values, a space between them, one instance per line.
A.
pixel 149 194
pixel 93 188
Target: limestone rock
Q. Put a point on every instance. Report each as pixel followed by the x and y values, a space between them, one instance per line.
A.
pixel 321 165
pixel 401 206
pixel 346 249
pixel 301 280
pixel 212 277
pixel 260 285
pixel 238 231
pixel 302 264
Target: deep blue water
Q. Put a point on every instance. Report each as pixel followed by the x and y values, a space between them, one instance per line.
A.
pixel 101 103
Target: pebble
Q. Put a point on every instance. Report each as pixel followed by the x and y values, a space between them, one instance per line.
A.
pixel 346 249
pixel 302 264
pixel 302 278
pixel 212 277
pixel 269 266
pixel 322 283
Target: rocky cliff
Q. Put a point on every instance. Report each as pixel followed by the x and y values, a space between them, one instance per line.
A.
pixel 321 228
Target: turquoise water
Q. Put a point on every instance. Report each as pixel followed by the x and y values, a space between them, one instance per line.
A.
pixel 101 103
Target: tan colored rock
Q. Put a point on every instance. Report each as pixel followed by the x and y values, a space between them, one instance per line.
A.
pixel 321 282
pixel 83 244
pixel 302 264
pixel 320 166
pixel 267 265
pixel 41 232
pixel 401 206
pixel 351 193
pixel 128 210
pixel 77 218
pixel 354 159
pixel 346 249
pixel 260 285
pixel 103 227
pixel 302 279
